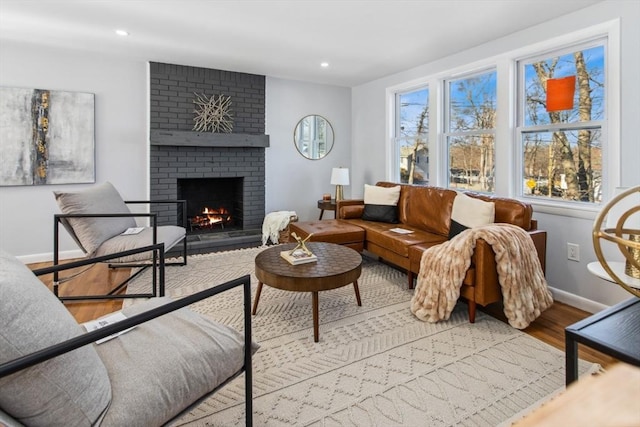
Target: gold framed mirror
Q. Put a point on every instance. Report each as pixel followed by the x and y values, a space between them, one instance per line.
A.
pixel 313 137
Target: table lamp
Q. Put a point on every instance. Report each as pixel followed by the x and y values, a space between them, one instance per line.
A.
pixel 339 177
pixel 622 227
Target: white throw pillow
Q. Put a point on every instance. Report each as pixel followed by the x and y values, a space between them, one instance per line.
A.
pixel 469 212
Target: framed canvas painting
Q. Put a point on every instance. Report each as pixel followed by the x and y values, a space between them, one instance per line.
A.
pixel 46 137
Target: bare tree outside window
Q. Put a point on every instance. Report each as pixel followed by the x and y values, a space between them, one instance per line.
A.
pixel 562 150
pixel 412 136
pixel 471 131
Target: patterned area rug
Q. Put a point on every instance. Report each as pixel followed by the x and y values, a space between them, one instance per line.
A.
pixel 375 365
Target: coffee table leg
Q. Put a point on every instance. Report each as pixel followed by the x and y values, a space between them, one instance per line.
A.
pixel 355 288
pixel 255 301
pixel 316 326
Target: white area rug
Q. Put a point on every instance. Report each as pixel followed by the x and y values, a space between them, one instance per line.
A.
pixel 375 365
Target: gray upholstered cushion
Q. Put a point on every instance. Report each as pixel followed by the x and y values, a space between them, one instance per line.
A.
pixel 103 199
pixel 161 367
pixel 72 389
pixel 167 234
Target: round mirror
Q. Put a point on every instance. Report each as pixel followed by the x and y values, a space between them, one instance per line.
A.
pixel 313 137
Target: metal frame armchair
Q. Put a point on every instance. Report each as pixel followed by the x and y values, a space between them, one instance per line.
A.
pixel 96 219
pixel 52 374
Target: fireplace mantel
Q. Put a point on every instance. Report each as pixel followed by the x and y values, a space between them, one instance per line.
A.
pixel 207 139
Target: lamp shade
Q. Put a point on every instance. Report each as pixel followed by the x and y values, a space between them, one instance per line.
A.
pixel 340 176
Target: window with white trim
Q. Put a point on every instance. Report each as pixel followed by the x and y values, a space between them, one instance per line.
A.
pixel 469 136
pixel 561 118
pixel 412 136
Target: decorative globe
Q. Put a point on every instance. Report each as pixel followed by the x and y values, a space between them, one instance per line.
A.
pixel 622 229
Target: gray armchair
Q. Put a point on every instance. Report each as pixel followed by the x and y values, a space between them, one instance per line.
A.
pixel 51 373
pixel 96 219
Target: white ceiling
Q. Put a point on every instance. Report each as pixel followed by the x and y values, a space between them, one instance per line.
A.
pixel 362 40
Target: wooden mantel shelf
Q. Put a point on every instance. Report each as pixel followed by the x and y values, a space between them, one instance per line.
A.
pixel 207 139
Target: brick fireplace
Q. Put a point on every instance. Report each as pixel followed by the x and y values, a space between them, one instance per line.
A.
pixel 182 160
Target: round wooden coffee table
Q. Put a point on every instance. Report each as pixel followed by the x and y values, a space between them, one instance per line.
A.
pixel 337 266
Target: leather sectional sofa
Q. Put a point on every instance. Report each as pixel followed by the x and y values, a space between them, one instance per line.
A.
pixel 426 211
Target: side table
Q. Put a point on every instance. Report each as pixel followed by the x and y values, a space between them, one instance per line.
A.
pixel 326 205
pixel 614 331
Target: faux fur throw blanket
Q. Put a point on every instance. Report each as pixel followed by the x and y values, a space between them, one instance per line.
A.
pixel 443 267
pixel 273 223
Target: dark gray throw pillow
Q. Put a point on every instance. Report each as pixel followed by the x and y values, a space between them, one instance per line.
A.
pixel 380 213
pixel 456 228
pixel 381 203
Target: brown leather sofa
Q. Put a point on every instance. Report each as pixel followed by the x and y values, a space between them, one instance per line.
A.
pixel 427 212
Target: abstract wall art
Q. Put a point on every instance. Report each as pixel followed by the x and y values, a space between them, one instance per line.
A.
pixel 46 137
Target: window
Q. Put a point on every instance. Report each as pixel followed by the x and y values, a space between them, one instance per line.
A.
pixel 411 136
pixel 561 101
pixel 470 120
pixel 541 123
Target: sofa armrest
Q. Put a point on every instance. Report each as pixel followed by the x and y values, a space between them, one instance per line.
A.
pixel 487 289
pixel 349 209
pixel 539 238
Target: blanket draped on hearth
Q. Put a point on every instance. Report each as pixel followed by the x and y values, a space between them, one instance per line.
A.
pixel 442 269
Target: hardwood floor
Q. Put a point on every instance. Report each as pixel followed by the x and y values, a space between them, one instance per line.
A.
pixel 549 327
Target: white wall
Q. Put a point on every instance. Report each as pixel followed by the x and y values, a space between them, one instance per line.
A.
pixel 120 87
pixel 573 282
pixel 293 181
pixel 26 213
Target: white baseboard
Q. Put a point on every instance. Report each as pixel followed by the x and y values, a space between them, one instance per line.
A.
pixel 577 301
pixel 48 257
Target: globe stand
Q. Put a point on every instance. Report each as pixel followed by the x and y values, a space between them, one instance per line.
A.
pixel 630 246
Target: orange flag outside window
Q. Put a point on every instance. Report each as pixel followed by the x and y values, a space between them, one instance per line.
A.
pixel 560 93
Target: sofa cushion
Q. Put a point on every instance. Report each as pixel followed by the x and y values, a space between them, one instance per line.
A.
pixel 329 231
pixel 72 389
pixel 90 233
pixel 469 212
pixel 381 203
pixel 191 356
pixel 426 208
pixel 170 235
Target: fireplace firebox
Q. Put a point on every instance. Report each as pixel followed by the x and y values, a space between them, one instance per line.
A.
pixel 213 204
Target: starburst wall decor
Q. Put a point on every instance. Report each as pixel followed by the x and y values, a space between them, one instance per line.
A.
pixel 213 113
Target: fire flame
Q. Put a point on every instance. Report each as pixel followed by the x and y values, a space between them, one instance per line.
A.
pixel 215 216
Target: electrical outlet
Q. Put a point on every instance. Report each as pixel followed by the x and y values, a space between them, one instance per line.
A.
pixel 573 251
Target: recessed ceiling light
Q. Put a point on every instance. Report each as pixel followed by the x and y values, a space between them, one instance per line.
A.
pixel 324 64
pixel 122 33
